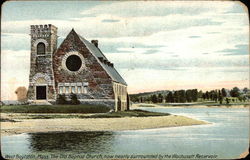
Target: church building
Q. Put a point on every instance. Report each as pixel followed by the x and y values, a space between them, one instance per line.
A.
pixel 77 66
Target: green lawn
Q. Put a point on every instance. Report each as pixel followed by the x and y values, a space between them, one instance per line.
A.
pixel 54 109
pixel 120 114
pixel 130 113
pixel 49 112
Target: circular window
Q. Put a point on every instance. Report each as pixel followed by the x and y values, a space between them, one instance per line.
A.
pixel 73 63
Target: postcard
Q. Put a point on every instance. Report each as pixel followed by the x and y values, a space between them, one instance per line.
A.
pixel 124 80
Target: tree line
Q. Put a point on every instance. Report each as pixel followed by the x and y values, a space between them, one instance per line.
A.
pixel 193 95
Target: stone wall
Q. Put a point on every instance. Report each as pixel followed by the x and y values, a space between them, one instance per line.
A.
pixel 99 82
pixel 109 102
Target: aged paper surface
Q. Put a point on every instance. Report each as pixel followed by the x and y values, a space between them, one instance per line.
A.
pixel 124 80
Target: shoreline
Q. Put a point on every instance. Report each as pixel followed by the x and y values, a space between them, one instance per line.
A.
pixel 95 124
pixel 139 105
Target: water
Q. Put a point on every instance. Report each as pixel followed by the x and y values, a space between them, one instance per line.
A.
pixel 226 137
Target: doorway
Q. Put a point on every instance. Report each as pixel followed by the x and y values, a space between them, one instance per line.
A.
pixel 41 92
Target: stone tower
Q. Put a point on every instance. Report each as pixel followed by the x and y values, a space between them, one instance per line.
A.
pixel 41 78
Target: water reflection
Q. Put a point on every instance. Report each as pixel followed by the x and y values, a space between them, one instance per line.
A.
pixel 79 142
pixel 227 137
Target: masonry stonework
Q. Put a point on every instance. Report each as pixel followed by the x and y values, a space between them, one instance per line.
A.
pixel 41 64
pixel 76 66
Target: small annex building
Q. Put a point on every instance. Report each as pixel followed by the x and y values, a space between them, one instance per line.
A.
pixel 77 66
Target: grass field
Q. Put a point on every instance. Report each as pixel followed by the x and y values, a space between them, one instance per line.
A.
pixel 120 114
pixel 130 113
pixel 54 109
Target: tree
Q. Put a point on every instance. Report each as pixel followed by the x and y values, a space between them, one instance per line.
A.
pixel 21 93
pixel 147 99
pixel 73 99
pixel 200 94
pixel 211 95
pixel 154 98
pixel 245 90
pixel 235 92
pixel 207 95
pixel 203 96
pixel 61 99
pixel 134 98
pixel 223 92
pixel 189 95
pixel 227 100
pixel 176 96
pixel 220 98
pixel 194 95
pixel 182 95
pixel 170 98
pixel 214 95
pixel 160 98
pixel 141 99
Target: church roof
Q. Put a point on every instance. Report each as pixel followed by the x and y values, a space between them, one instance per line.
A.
pixel 112 72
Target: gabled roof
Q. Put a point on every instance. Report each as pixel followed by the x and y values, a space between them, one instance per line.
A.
pixel 112 72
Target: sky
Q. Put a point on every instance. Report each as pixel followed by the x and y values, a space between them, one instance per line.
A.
pixel 154 45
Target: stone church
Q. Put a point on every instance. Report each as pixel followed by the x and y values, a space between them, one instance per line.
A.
pixel 77 66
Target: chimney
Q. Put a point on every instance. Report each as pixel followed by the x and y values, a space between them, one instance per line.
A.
pixel 95 42
pixel 105 61
pixel 101 59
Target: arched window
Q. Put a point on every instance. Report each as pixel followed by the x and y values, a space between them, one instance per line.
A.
pixel 40 48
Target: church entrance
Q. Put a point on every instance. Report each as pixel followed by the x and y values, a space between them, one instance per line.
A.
pixel 41 92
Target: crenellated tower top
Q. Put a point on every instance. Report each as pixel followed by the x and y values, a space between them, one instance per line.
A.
pixel 43 30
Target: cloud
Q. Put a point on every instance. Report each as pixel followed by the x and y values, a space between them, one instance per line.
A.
pixel 157 8
pixel 137 19
pixel 194 36
pixel 167 41
pixel 237 7
pixel 110 20
pixel 162 61
pixel 54 10
pixel 175 55
pixel 213 32
pixel 15 41
pixel 183 79
pixel 151 51
pixel 116 46
pixel 240 49
pixel 125 27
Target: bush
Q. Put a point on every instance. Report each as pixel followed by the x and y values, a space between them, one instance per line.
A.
pixel 74 100
pixel 61 99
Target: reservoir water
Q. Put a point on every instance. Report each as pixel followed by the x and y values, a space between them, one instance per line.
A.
pixel 226 137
